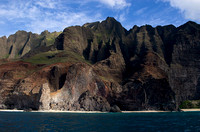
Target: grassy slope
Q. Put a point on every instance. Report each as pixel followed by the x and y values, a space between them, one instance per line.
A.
pixel 57 56
pixel 50 38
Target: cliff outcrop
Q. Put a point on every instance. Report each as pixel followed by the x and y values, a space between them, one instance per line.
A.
pixel 101 66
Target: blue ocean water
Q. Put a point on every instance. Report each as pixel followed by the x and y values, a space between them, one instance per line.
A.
pixel 100 122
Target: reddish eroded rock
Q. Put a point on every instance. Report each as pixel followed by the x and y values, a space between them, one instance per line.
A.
pixel 82 90
pixel 10 75
pixel 15 70
pixel 61 86
pixel 21 82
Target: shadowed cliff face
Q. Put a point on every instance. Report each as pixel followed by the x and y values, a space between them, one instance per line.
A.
pixel 102 66
pixel 185 67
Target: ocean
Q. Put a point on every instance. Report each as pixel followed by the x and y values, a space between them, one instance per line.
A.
pixel 100 122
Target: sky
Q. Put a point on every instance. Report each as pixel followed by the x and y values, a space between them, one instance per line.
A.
pixel 55 15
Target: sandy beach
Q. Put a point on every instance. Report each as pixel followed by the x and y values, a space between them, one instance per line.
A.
pixel 51 111
pixel 99 111
pixel 57 111
pixel 148 111
pixel 8 110
pixel 190 110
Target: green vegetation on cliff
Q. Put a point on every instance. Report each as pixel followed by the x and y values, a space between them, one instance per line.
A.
pixel 189 104
pixel 22 42
pixel 50 38
pixel 56 56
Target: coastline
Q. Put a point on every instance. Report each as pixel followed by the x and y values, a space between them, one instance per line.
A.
pixel 190 110
pixel 50 111
pixel 9 110
pixel 58 111
pixel 145 111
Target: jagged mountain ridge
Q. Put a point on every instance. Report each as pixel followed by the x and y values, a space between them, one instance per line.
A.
pixel 22 42
pixel 140 69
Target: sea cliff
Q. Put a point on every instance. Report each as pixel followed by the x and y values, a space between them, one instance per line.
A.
pixel 101 66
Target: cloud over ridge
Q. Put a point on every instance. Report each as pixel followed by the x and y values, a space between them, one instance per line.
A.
pixel 40 15
pixel 119 4
pixel 190 8
pixel 55 15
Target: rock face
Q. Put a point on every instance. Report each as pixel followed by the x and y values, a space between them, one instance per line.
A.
pixel 45 97
pixel 184 73
pixel 82 90
pixel 20 43
pixel 112 69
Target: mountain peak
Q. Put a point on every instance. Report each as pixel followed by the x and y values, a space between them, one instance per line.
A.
pixel 45 32
pixel 191 22
pixel 190 25
pixel 110 19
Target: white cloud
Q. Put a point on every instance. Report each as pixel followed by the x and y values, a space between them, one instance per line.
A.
pixel 54 15
pixel 122 17
pixel 46 3
pixel 140 11
pixel 119 4
pixel 40 15
pixel 115 4
pixel 190 8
